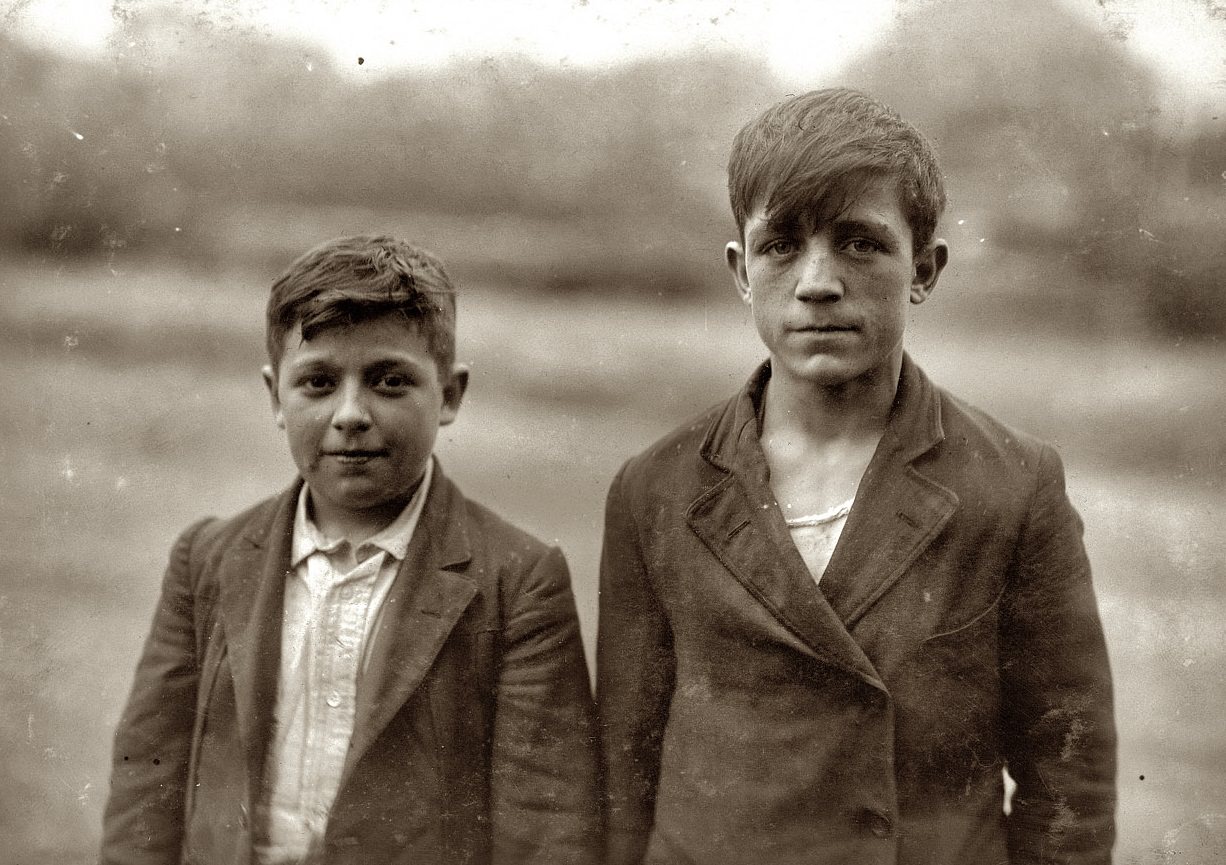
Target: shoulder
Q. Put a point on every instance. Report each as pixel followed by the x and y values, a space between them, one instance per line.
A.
pixel 495 537
pixel 982 451
pixel 207 539
pixel 495 547
pixel 214 531
pixel 674 463
pixel 965 422
pixel 512 569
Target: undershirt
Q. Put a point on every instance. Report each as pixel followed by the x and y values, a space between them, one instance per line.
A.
pixel 816 535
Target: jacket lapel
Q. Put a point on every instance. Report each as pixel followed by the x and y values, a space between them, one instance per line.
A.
pixel 898 510
pixel 426 600
pixel 737 518
pixel 252 578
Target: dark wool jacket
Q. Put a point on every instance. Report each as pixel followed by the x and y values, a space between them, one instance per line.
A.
pixel 473 741
pixel 750 717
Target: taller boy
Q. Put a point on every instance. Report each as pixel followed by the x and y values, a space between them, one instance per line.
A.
pixel 836 607
pixel 367 668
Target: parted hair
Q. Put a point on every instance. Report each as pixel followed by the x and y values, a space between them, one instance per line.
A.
pixel 353 279
pixel 811 155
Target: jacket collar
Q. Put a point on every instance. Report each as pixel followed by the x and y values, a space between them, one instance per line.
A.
pixel 427 598
pixel 897 512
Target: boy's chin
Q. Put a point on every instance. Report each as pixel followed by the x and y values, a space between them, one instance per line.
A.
pixel 831 371
pixel 817 371
pixel 362 501
pixel 354 504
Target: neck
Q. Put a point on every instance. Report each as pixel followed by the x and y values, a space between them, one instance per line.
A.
pixel 851 411
pixel 354 526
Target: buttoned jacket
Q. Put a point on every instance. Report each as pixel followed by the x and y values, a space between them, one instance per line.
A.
pixel 473 740
pixel 750 716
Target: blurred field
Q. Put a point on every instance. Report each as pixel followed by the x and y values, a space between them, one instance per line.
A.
pixel 134 404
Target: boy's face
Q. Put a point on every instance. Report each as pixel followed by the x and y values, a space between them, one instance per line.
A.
pixel 829 300
pixel 361 406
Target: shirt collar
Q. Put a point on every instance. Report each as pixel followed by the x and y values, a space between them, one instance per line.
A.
pixel 393 539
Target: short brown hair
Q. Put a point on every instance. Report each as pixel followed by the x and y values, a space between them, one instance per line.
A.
pixel 812 154
pixel 352 279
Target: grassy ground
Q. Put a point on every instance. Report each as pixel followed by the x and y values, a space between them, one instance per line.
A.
pixel 134 405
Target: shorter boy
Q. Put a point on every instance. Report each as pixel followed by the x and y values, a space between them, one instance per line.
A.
pixel 367 667
pixel 836 607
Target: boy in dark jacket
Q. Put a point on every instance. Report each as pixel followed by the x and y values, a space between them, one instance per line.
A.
pixel 368 667
pixel 835 608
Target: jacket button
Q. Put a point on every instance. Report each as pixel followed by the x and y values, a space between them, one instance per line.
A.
pixel 878 823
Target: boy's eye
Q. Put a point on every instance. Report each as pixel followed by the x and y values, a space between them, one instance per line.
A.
pixel 863 245
pixel 781 246
pixel 317 382
pixel 393 381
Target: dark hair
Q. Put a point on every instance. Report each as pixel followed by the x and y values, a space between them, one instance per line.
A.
pixel 354 279
pixel 813 154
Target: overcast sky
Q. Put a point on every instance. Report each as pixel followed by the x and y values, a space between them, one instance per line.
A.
pixel 803 40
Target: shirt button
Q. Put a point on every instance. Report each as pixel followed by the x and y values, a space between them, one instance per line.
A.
pixel 334 700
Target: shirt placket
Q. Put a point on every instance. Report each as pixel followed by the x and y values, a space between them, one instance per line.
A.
pixel 336 643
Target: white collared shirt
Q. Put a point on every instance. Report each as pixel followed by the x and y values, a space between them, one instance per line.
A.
pixel 333 599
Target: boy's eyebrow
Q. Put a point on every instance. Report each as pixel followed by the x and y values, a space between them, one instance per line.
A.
pixel 842 224
pixel 407 362
pixel 856 224
pixel 774 226
pixel 309 362
pixel 323 362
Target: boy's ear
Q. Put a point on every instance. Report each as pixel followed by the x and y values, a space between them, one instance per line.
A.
pixel 929 262
pixel 270 382
pixel 454 386
pixel 734 257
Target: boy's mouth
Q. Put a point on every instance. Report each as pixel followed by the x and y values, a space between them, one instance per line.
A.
pixel 355 456
pixel 825 328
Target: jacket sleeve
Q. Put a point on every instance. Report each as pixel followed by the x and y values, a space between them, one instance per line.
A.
pixel 144 815
pixel 543 780
pixel 635 670
pixel 1058 719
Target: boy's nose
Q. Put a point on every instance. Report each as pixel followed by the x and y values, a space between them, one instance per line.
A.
pixel 351 412
pixel 819 278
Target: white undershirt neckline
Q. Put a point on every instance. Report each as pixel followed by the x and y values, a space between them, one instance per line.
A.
pixel 839 511
pixel 816 535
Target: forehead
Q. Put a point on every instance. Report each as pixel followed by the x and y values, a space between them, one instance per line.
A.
pixel 876 203
pixel 391 337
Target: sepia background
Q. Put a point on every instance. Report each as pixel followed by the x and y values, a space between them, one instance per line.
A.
pixel 160 163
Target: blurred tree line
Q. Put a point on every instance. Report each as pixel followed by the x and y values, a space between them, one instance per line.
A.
pixel 1072 150
pixel 192 137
